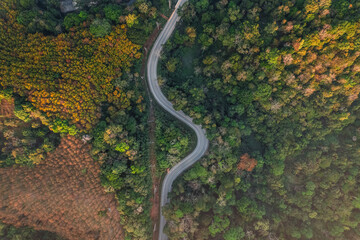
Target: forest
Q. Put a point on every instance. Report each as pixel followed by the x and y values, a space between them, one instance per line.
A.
pixel 76 74
pixel 276 85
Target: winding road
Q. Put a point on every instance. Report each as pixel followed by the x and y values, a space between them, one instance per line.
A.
pixel 202 141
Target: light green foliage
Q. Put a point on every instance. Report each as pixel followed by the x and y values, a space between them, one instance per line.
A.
pixel 122 147
pixel 137 170
pixel 263 92
pixel 278 168
pixel 172 142
pixel 234 234
pixel 197 171
pixel 310 187
pixel 356 202
pixel 63 126
pixel 179 213
pixel 296 234
pixel 171 64
pixel 22 115
pixel 100 27
pixel 131 20
pixel 218 225
pixel 307 233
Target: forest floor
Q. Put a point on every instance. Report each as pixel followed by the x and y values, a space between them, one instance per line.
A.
pixel 7 108
pixel 155 200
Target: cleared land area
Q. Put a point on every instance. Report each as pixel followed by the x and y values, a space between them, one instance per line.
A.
pixel 63 194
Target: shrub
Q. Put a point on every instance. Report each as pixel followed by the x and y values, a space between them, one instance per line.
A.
pixel 100 27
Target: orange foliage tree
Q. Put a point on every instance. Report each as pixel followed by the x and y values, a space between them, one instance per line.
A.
pixel 68 76
pixel 247 163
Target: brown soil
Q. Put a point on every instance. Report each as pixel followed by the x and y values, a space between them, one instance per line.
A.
pixel 62 195
pixel 163 16
pixel 7 108
pixel 155 199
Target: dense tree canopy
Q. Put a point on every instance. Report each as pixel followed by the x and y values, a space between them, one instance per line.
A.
pixel 67 76
pixel 278 81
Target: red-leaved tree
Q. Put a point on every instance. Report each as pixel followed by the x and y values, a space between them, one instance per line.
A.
pixel 247 163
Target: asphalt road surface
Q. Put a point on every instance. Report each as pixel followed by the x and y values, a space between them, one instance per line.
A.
pixel 202 141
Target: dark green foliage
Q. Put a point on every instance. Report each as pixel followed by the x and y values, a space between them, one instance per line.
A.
pixel 138 32
pixel 278 80
pixel 113 12
pixel 39 21
pixel 40 16
pixel 26 17
pixel 8 232
pixel 27 4
pixel 74 19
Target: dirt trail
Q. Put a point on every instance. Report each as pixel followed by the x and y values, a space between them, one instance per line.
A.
pixel 155 200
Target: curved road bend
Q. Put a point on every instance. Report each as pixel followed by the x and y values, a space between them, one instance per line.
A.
pixel 202 141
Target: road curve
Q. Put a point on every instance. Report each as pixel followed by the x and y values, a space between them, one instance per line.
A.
pixel 202 141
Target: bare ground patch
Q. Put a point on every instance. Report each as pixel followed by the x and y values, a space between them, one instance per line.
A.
pixel 63 195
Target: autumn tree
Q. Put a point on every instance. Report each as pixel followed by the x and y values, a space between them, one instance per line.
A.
pixel 246 163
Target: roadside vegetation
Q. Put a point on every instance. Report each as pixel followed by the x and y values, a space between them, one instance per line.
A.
pixel 173 141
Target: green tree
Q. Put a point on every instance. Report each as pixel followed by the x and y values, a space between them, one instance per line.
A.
pixel 113 12
pixel 171 64
pixel 27 4
pixel 197 171
pixel 74 19
pixel 131 20
pixel 100 27
pixel 218 225
pixel 234 233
